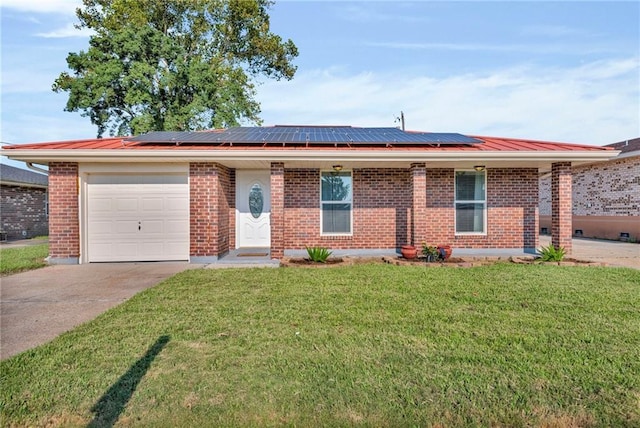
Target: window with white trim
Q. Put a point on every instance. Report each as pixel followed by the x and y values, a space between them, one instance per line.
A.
pixel 471 202
pixel 335 203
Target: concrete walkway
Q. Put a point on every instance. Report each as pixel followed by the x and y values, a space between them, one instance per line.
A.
pixel 38 305
pixel 613 253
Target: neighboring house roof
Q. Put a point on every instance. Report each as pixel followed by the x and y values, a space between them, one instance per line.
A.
pixel 359 148
pixel 627 146
pixel 13 176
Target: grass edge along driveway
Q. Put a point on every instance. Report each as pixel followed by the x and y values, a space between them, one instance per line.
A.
pixel 20 259
pixel 370 345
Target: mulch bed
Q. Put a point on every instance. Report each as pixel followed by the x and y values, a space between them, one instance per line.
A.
pixel 450 262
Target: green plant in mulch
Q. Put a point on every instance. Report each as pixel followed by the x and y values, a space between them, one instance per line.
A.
pixel 430 252
pixel 318 254
pixel 552 254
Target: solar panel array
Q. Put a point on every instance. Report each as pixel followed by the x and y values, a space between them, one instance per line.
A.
pixel 309 135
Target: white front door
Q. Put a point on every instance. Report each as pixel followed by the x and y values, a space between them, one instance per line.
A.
pixel 253 208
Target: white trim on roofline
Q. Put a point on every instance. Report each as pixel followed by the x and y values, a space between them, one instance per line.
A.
pixel 110 155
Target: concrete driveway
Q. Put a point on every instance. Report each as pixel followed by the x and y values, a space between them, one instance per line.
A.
pixel 38 305
pixel 613 253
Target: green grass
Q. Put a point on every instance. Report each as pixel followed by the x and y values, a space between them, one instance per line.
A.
pixel 14 260
pixel 367 345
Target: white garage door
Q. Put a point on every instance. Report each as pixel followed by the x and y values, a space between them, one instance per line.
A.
pixel 137 217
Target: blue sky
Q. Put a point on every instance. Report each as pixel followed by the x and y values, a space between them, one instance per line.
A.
pixel 557 71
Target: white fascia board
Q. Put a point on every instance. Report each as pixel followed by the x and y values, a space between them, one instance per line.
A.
pixel 96 155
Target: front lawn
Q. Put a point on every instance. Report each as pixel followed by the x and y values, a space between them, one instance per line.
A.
pixel 14 260
pixel 371 345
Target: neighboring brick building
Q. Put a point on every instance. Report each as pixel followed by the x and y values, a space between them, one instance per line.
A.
pixel 23 203
pixel 274 190
pixel 606 196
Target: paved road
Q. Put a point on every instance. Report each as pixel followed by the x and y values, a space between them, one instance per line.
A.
pixel 38 305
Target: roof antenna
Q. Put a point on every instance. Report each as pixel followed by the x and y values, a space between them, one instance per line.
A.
pixel 400 119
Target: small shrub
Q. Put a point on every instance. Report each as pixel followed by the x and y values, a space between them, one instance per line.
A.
pixel 431 253
pixel 552 254
pixel 318 254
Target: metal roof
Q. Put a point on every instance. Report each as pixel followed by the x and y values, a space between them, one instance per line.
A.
pixel 307 135
pixel 489 144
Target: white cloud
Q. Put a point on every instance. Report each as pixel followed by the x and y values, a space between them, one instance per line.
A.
pixel 67 31
pixel 597 103
pixel 565 49
pixel 43 6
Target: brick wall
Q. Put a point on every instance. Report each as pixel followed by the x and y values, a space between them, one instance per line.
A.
pixel 512 200
pixel 226 201
pixel 418 219
pixel 210 201
pixel 440 213
pixel 23 209
pixel 561 178
pixel 606 199
pixel 278 220
pixel 602 189
pixel 64 225
pixel 381 207
pixel 231 199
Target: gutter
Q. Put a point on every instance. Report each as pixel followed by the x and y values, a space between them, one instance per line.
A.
pixel 32 167
pixel 96 155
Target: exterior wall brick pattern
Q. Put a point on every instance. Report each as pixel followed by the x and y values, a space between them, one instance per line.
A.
pixel 209 200
pixel 602 189
pixel 64 225
pixel 23 209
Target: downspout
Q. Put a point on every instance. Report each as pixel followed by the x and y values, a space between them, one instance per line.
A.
pixel 32 167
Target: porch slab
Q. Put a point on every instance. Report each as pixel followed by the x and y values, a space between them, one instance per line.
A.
pixel 245 257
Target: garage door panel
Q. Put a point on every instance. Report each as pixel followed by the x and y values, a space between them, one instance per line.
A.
pixel 176 227
pixel 138 217
pixel 126 205
pixel 153 204
pixel 125 227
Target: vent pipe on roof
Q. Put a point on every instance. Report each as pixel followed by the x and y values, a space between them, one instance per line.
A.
pixel 400 119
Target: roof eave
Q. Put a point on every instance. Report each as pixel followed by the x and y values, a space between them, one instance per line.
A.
pixel 97 155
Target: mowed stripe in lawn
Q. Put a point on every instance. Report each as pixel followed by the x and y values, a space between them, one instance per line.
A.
pixel 371 344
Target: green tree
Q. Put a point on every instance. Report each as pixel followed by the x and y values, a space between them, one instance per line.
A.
pixel 179 65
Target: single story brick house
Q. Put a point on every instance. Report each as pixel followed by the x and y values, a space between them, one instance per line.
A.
pixel 198 195
pixel 23 203
pixel 606 196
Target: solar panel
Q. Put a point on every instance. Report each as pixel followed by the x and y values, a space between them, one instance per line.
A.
pixel 309 135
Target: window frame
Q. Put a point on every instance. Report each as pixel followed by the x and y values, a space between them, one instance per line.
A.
pixel 323 202
pixel 467 201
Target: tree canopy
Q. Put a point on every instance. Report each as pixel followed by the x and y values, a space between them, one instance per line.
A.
pixel 179 65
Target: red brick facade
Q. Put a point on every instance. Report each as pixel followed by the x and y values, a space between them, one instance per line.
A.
pixel 419 204
pixel 440 225
pixel 381 210
pixel 391 207
pixel 210 201
pixel 64 224
pixel 278 220
pixel 561 205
